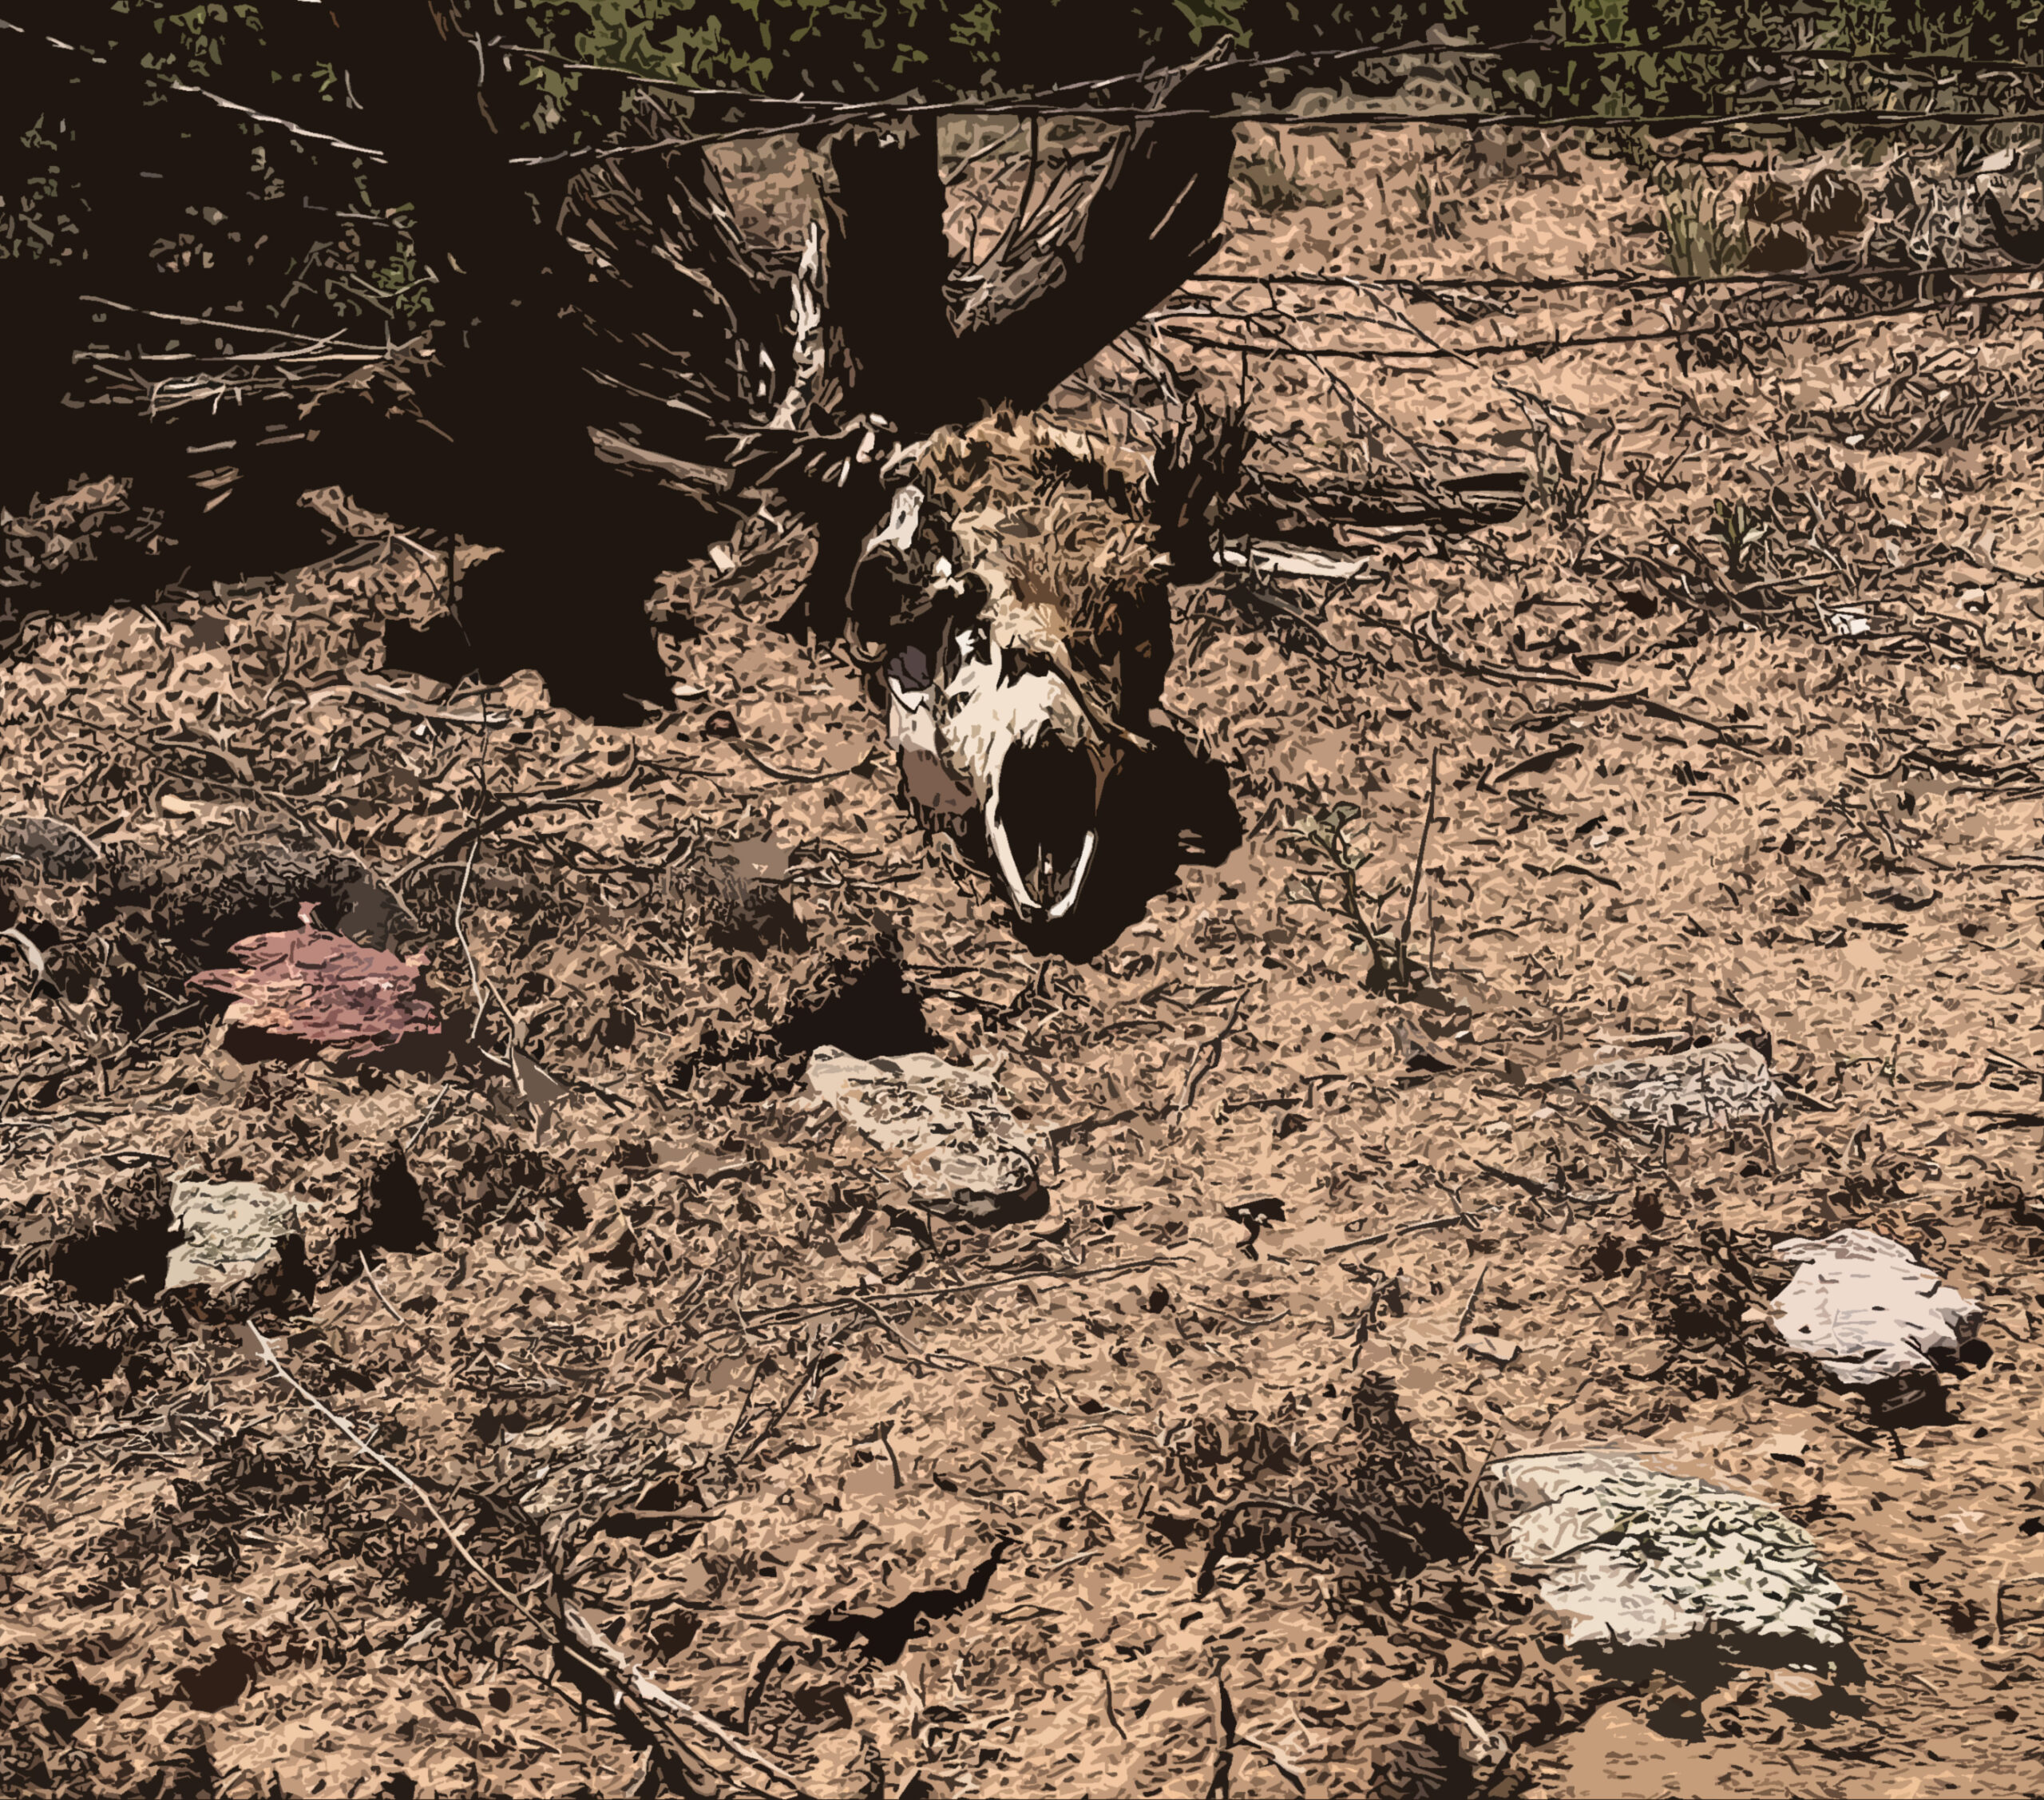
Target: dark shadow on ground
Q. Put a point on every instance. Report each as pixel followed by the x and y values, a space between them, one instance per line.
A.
pixel 1682 1676
pixel 868 1010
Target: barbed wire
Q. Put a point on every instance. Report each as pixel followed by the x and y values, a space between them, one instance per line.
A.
pixel 1546 348
pixel 1074 100
pixel 1503 52
pixel 1868 118
pixel 1080 98
pixel 1616 279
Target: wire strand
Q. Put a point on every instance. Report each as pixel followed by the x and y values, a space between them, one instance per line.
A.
pixel 1591 341
pixel 1606 280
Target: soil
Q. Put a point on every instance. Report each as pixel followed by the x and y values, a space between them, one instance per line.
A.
pixel 1731 733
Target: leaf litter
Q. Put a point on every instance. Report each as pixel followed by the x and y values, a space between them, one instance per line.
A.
pixel 700 1369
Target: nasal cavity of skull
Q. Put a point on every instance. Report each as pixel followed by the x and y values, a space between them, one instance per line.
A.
pixel 1047 810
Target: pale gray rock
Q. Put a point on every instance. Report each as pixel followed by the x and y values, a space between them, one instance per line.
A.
pixel 232 1231
pixel 1634 1557
pixel 1719 1084
pixel 952 1129
pixel 1868 1309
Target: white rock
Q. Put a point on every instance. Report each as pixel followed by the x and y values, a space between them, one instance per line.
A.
pixel 952 1128
pixel 1633 1555
pixel 231 1230
pixel 1714 1085
pixel 1868 1309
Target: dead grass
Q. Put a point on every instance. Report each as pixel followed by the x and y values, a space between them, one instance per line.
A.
pixel 649 1347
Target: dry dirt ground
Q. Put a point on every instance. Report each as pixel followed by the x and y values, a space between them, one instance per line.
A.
pixel 1737 734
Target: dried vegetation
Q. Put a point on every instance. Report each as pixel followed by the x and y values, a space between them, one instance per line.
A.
pixel 1731 738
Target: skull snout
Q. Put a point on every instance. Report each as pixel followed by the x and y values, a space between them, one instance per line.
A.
pixel 1042 818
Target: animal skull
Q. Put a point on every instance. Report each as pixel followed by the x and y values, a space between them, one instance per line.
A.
pixel 985 731
pixel 1026 631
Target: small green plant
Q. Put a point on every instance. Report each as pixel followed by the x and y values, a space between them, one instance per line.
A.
pixel 1701 234
pixel 1329 842
pixel 1739 532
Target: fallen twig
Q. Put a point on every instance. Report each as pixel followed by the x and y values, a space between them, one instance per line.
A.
pixel 1635 696
pixel 760 763
pixel 1462 1218
pixel 1469 1306
pixel 476 980
pixel 1209 1058
pixel 513 809
pixel 1476 1479
pixel 425 709
pixel 572 1635
pixel 369 1275
pixel 1420 863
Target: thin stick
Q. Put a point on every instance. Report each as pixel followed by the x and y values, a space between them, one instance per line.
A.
pixel 760 763
pixel 1476 1477
pixel 462 938
pixel 228 325
pixel 589 1644
pixel 1420 862
pixel 1209 1058
pixel 1469 1306
pixel 1418 1225
pixel 505 815
pixel 1109 1686
pixel 370 1275
pixel 595 1647
pixel 426 1118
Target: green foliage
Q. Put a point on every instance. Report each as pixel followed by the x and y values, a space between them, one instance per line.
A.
pixel 1656 79
pixel 1701 233
pixel 1739 533
pixel 853 49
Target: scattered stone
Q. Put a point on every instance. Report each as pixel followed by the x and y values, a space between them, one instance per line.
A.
pixel 1868 1310
pixel 306 989
pixel 1636 1557
pixel 233 1232
pixel 1688 1090
pixel 959 1142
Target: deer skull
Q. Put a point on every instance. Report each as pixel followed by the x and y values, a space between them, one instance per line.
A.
pixel 994 728
pixel 1027 630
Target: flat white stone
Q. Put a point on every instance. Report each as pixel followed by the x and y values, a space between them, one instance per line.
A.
pixel 1632 1555
pixel 1868 1309
pixel 231 1230
pixel 953 1129
pixel 1714 1085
